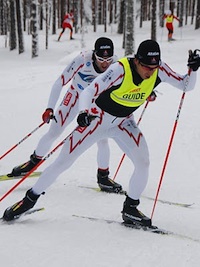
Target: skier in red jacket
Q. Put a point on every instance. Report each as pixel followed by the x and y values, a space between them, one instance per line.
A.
pixel 67 23
pixel 169 24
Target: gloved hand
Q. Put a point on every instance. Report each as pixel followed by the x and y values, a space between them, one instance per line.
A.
pixel 48 115
pixel 152 97
pixel 194 60
pixel 84 118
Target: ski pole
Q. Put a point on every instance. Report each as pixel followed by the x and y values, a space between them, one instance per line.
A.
pixel 169 146
pixel 123 156
pixel 22 140
pixel 36 166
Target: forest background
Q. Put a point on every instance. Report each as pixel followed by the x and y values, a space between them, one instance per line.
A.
pixel 19 17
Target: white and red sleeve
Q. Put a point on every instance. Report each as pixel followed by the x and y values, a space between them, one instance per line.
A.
pixel 183 82
pixel 66 76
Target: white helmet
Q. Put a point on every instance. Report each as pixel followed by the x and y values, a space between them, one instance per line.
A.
pixel 168 12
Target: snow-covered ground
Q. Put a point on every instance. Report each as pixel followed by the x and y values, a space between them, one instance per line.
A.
pixel 56 238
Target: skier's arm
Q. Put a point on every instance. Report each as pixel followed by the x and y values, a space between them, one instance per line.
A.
pixel 182 82
pixel 66 76
pixel 176 18
pixel 164 16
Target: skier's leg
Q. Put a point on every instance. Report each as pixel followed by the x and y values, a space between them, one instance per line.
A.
pixel 65 113
pixel 63 29
pixel 132 142
pixel 103 155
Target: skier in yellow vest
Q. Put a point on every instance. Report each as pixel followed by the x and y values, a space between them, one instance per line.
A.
pixel 169 24
pixel 105 111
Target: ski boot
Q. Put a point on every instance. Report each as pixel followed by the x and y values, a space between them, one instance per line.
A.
pixel 131 215
pixel 14 211
pixel 106 184
pixel 25 167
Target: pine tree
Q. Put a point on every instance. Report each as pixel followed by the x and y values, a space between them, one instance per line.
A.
pixel 197 24
pixel 19 27
pixel 34 28
pixel 121 17
pixel 129 28
pixel 13 36
pixel 153 20
pixel 54 17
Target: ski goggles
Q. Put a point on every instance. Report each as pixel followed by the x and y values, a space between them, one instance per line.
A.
pixel 147 67
pixel 102 59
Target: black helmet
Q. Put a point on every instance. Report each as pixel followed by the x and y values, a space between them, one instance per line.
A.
pixel 148 52
pixel 104 47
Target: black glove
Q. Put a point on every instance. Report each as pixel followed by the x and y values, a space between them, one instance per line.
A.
pixel 84 119
pixel 194 60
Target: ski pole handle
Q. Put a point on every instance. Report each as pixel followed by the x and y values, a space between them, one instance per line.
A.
pixel 21 141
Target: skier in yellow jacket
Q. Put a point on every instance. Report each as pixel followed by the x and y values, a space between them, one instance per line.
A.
pixel 105 111
pixel 169 24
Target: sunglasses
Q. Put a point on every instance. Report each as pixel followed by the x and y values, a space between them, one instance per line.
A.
pixel 101 59
pixel 147 67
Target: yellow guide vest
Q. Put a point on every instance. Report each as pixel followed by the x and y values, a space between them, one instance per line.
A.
pixel 129 94
pixel 169 19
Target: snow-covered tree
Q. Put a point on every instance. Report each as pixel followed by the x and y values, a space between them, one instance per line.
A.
pixel 197 23
pixel 54 17
pixel 153 20
pixel 12 30
pixel 129 28
pixel 34 28
pixel 121 17
pixel 19 26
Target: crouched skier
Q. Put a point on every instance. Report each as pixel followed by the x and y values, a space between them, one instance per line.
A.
pixel 119 91
pixel 81 71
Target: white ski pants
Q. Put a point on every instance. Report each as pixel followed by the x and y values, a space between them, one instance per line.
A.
pixel 125 133
pixel 65 114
